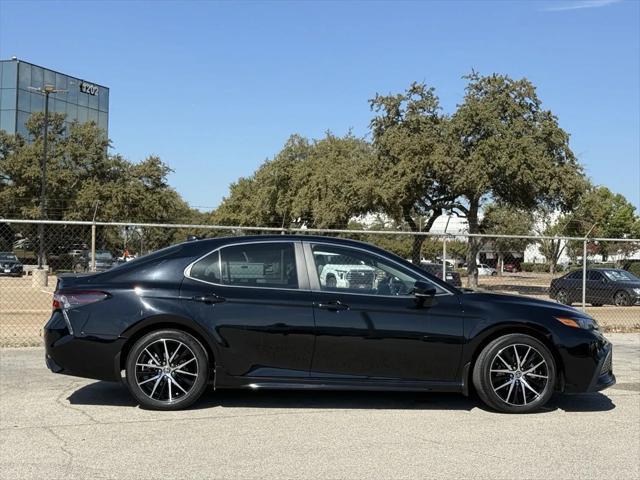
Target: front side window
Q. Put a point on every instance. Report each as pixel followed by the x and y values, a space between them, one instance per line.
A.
pixel 350 270
pixel 268 265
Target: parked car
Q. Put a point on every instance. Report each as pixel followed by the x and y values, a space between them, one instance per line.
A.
pixel 603 286
pixel 23 244
pixel 452 277
pixel 511 267
pixel 340 271
pixel 254 312
pixel 10 265
pixel 484 269
pixel 104 261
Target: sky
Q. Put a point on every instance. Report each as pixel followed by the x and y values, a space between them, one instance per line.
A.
pixel 215 88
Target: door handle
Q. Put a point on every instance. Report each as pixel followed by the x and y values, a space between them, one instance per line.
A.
pixel 332 306
pixel 211 298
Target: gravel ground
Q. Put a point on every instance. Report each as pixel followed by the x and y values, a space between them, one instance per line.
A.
pixel 54 426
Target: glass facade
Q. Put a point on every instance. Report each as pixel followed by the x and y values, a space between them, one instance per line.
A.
pixel 82 101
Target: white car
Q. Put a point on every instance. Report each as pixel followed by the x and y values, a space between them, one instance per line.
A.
pixel 484 269
pixel 347 276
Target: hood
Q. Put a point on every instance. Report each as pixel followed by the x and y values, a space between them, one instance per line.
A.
pixel 522 301
pixel 10 262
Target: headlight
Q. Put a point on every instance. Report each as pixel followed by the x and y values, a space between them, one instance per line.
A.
pixel 586 323
pixel 637 291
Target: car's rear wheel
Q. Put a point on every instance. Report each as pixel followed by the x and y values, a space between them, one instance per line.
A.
pixel 621 299
pixel 515 373
pixel 563 297
pixel 331 282
pixel 167 370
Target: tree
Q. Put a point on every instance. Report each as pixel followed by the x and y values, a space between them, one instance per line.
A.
pixel 410 183
pixel 551 223
pixel 504 220
pixel 83 179
pixel 504 147
pixel 602 213
pixel 317 184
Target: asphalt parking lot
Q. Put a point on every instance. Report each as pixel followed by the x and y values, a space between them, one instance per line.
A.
pixel 62 427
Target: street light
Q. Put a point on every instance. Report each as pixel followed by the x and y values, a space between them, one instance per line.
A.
pixel 46 91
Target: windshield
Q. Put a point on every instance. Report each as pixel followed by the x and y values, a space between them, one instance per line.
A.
pixel 8 256
pixel 104 256
pixel 621 276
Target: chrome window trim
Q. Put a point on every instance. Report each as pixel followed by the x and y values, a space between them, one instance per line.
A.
pixel 187 270
pixel 311 243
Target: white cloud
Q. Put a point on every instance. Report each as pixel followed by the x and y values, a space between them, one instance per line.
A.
pixel 579 4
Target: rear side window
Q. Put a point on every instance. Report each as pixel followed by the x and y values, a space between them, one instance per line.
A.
pixel 270 265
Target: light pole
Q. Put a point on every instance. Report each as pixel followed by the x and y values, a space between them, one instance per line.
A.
pixel 46 91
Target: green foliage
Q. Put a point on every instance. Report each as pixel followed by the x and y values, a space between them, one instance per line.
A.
pixel 534 267
pixel 83 179
pixel 410 181
pixel 319 184
pixel 634 268
pixel 502 145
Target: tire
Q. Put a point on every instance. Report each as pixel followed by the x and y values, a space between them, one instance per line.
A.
pixel 493 274
pixel 331 282
pixel 158 386
pixel 563 297
pixel 78 268
pixel 621 299
pixel 508 392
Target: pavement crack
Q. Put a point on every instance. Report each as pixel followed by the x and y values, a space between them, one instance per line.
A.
pixel 62 446
pixel 67 405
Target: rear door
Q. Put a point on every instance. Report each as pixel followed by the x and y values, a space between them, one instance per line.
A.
pixel 254 299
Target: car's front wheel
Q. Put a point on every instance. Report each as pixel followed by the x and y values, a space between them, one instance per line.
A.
pixel 563 297
pixel 515 373
pixel 167 370
pixel 621 299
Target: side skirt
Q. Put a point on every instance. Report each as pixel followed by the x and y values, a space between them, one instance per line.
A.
pixel 307 383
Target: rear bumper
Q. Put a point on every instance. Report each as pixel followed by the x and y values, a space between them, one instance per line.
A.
pixel 80 356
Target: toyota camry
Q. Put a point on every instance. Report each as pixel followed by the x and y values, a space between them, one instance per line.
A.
pixel 314 313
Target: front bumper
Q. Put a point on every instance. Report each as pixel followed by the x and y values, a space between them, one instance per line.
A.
pixel 15 270
pixel 588 367
pixel 95 357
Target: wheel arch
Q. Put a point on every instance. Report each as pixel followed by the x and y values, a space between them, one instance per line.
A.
pixel 537 332
pixel 160 322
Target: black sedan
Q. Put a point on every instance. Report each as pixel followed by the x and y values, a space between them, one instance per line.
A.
pixel 313 313
pixel 603 286
pixel 10 265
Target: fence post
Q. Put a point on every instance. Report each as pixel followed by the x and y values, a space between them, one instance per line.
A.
pixel 93 247
pixel 444 258
pixel 584 274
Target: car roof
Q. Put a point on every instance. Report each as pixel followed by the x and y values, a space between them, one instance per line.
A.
pixel 275 237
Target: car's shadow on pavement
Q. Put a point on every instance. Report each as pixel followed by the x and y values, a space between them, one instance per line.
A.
pixel 116 394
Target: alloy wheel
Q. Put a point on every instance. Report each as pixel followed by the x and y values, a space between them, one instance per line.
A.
pixel 621 299
pixel 166 370
pixel 562 297
pixel 519 374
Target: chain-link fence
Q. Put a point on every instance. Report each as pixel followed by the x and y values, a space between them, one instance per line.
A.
pixel 550 268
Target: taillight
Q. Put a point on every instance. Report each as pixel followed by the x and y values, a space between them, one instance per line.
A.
pixel 67 299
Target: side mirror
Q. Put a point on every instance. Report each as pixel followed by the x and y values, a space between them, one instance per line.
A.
pixel 422 289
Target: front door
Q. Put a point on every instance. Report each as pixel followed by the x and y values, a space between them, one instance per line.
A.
pixel 254 299
pixel 370 326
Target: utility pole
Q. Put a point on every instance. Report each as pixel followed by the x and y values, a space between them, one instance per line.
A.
pixel 46 91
